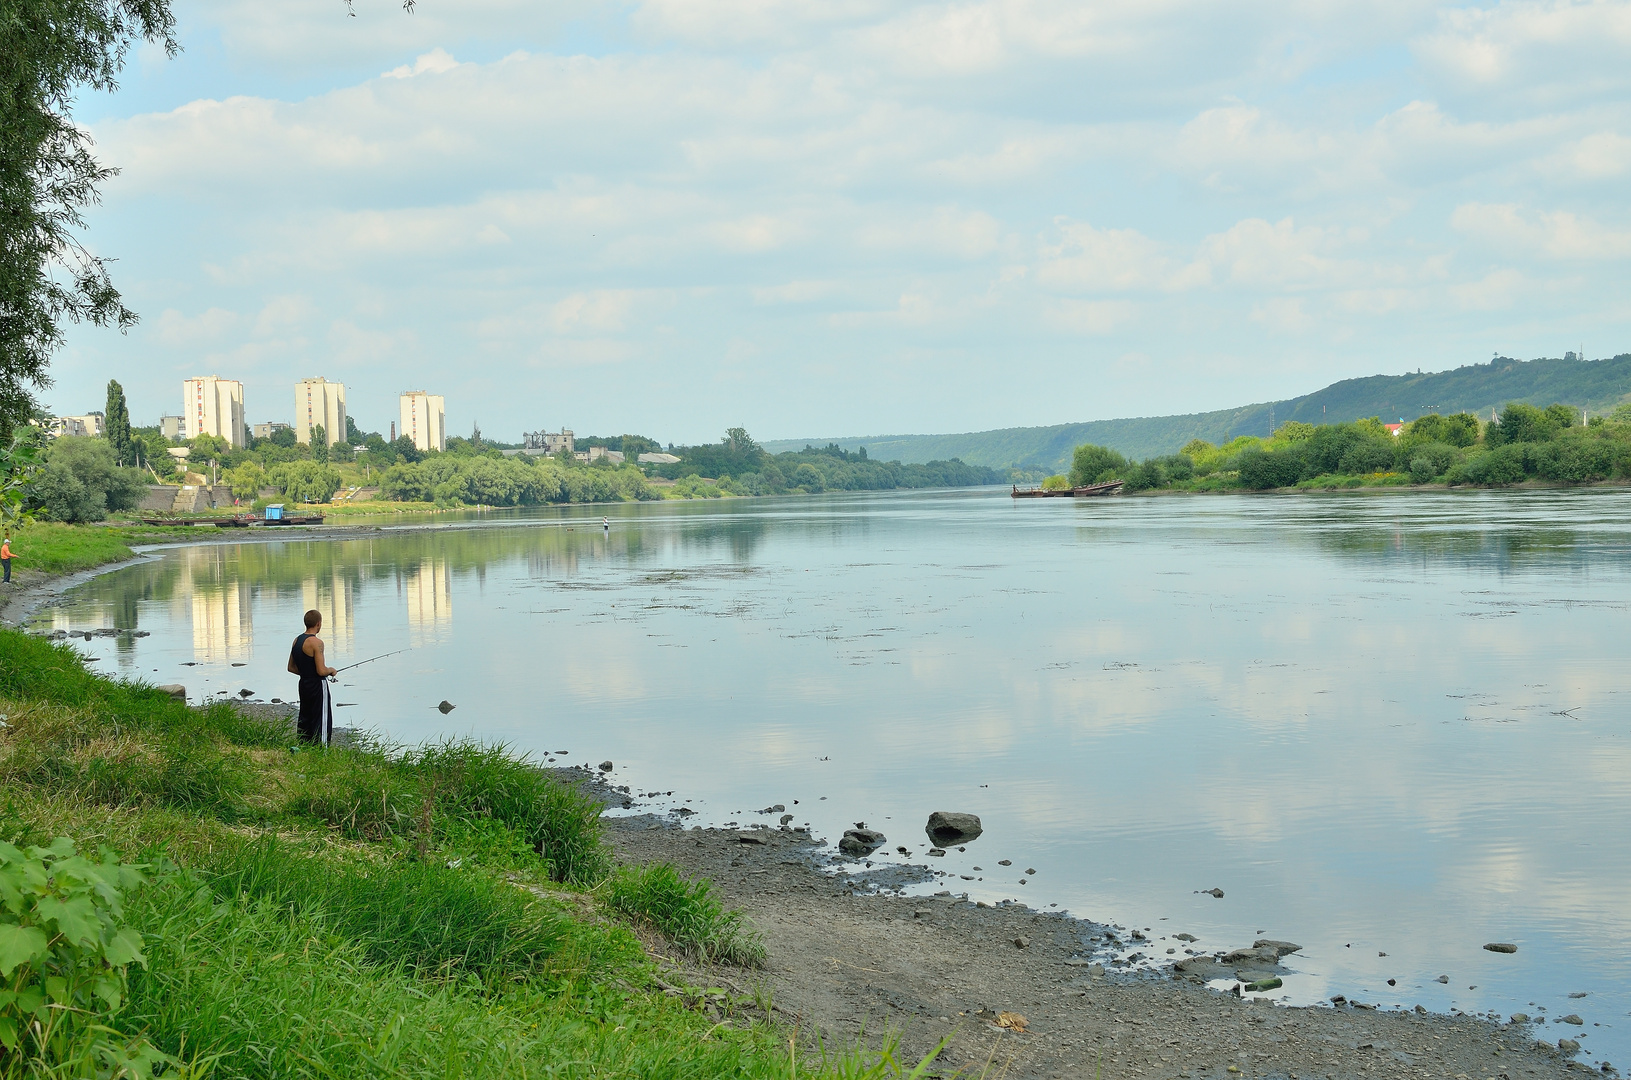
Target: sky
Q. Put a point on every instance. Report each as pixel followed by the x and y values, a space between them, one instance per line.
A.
pixel 853 217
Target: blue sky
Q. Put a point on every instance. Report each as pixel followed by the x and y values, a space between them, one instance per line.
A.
pixel 855 217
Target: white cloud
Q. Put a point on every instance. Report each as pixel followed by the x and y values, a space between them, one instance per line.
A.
pixel 176 330
pixel 1602 155
pixel 1547 49
pixel 1493 292
pixel 597 312
pixel 1558 234
pixel 434 62
pixel 1090 316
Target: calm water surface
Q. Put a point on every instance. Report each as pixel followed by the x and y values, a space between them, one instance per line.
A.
pixel 1381 724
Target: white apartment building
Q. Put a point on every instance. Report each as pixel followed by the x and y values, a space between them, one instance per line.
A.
pixel 211 405
pixel 318 401
pixel 424 420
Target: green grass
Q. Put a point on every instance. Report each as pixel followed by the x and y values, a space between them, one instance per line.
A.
pixel 425 916
pixel 685 911
pixel 444 910
pixel 63 549
pixel 274 991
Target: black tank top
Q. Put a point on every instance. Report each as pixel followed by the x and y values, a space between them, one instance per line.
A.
pixel 305 665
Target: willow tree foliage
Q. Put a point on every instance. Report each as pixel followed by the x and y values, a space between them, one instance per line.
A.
pixel 50 50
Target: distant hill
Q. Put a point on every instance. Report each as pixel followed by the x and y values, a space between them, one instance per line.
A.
pixel 1597 385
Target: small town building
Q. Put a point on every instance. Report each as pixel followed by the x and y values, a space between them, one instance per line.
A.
pixel 91 424
pixel 267 430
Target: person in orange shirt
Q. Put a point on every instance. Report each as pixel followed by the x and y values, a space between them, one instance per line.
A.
pixel 5 559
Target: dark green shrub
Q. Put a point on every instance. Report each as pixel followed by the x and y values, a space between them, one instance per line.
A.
pixel 1432 460
pixel 1505 464
pixel 1146 476
pixel 1522 423
pixel 1458 429
pixel 1575 460
pixel 1260 470
pixel 1369 454
pixel 1092 464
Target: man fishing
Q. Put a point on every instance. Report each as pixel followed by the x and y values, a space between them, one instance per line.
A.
pixel 316 724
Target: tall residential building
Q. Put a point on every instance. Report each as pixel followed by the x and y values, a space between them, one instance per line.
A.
pixel 422 419
pixel 211 405
pixel 318 401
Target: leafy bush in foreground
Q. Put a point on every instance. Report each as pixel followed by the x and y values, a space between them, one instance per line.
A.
pixel 64 954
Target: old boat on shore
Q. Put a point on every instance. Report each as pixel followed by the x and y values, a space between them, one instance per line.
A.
pixel 1108 487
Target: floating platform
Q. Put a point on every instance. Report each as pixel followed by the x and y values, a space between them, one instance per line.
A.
pixel 1108 487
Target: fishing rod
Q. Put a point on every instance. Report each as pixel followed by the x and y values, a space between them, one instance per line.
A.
pixel 370 660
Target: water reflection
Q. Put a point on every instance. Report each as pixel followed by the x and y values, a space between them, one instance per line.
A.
pixel 428 589
pixel 1395 723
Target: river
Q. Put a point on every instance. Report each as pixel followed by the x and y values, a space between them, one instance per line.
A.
pixel 1389 727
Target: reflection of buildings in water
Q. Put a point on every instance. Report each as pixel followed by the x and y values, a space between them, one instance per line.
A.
pixel 428 589
pixel 223 622
pixel 87 615
pixel 336 599
pixel 552 564
pixel 220 604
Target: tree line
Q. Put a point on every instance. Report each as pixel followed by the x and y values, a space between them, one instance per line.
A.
pixel 1523 443
pixel 737 465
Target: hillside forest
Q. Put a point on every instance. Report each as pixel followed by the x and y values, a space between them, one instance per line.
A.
pixel 1524 443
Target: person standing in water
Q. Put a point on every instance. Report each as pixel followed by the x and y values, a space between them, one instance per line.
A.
pixel 316 723
pixel 606 524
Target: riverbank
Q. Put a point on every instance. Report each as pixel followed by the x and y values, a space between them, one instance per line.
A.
pixel 849 959
pixel 851 926
pixel 446 910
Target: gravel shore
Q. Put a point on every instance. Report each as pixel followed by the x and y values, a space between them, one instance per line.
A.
pixel 846 960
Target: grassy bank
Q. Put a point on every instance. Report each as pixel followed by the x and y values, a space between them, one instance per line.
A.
pixel 447 910
pixel 54 548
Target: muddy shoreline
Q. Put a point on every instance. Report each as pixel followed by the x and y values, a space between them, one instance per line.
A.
pixel 848 958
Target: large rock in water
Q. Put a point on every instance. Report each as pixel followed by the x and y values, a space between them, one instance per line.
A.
pixel 947 830
pixel 859 842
